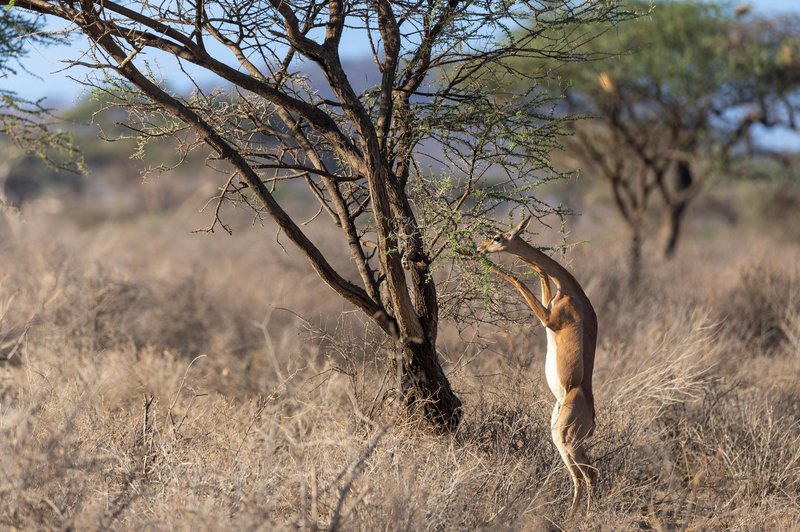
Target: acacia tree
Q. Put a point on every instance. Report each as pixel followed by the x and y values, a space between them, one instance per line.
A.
pixel 678 91
pixel 26 125
pixel 367 157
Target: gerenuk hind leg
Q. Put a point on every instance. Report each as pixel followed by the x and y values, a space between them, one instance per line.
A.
pixel 572 423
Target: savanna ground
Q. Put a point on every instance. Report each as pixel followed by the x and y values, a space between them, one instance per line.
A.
pixel 155 378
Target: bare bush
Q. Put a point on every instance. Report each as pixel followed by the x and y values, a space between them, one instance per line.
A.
pixel 756 310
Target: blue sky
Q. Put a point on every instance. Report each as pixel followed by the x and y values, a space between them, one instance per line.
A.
pixel 47 78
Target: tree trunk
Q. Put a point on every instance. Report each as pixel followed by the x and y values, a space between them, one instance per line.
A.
pixel 9 216
pixel 671 228
pixel 414 304
pixel 5 170
pixel 676 208
pixel 635 257
pixel 425 384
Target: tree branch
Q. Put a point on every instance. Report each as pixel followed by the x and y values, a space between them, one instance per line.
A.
pixel 97 31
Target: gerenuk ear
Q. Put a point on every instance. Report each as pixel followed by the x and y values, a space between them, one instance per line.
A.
pixel 520 227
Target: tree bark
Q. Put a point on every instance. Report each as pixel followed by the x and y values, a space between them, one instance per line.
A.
pixel 671 229
pixel 425 384
pixel 676 209
pixel 635 257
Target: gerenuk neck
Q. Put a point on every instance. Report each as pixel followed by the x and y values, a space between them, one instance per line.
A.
pixel 539 260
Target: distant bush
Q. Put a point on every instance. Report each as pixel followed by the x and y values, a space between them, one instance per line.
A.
pixel 755 311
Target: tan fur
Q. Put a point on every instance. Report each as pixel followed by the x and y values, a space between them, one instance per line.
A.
pixel 571 318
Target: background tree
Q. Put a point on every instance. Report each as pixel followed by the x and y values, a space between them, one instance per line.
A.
pixel 408 169
pixel 672 95
pixel 27 125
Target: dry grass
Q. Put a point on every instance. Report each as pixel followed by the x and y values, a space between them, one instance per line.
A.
pixel 149 379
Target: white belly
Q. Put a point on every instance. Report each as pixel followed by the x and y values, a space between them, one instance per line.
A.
pixel 551 368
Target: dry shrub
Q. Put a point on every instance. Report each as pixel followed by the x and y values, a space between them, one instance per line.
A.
pixel 104 312
pixel 775 209
pixel 758 443
pixel 638 387
pixel 98 452
pixel 755 311
pixel 94 308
